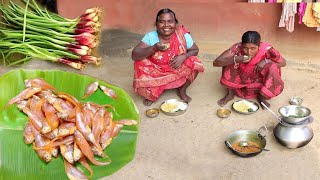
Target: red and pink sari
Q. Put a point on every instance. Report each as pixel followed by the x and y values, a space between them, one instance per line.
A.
pixel 153 75
pixel 247 82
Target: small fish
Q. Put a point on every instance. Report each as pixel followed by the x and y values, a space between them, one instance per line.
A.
pixel 92 87
pixel 25 94
pixel 52 134
pixel 127 122
pixel 85 164
pixel 106 137
pixel 67 152
pixel 77 154
pixel 86 149
pixel 109 92
pixel 27 134
pixel 66 129
pixel 38 82
pixel 72 171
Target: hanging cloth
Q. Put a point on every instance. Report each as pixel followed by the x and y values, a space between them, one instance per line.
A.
pixel 292 1
pixel 308 18
pixel 272 1
pixel 316 11
pixel 287 17
pixel 301 11
pixel 256 1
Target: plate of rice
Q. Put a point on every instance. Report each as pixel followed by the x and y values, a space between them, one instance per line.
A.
pixel 173 107
pixel 245 106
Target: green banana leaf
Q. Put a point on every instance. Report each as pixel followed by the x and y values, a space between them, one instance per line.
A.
pixel 20 161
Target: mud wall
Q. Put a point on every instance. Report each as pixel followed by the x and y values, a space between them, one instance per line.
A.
pixel 209 22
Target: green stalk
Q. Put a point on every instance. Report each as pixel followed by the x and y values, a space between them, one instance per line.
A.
pixel 43 53
pixel 38 10
pixel 67 54
pixel 25 22
pixel 54 16
pixel 49 32
pixel 20 61
pixel 17 34
pixel 45 44
pixel 18 12
pixel 49 52
pixel 55 27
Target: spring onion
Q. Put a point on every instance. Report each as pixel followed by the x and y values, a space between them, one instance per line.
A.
pixel 32 32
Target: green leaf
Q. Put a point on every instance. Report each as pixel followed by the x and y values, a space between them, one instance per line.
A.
pixel 20 161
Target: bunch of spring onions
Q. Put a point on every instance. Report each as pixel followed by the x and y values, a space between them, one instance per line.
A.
pixel 33 32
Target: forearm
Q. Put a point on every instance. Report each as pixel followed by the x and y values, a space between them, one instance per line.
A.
pixel 193 52
pixel 282 63
pixel 220 62
pixel 142 53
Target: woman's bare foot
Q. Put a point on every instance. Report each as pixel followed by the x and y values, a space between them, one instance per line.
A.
pixel 183 95
pixel 147 102
pixel 260 99
pixel 228 97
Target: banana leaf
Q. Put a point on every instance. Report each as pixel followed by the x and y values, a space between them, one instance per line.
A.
pixel 20 161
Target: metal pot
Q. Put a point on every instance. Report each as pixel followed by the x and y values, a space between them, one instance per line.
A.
pixel 294 114
pixel 247 135
pixel 293 136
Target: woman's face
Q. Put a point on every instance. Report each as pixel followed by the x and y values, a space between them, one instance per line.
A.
pixel 250 49
pixel 166 24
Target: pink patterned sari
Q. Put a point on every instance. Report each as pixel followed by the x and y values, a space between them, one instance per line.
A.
pixel 247 82
pixel 153 75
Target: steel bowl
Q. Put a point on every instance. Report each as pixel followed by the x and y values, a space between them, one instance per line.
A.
pixel 296 101
pixel 294 114
pixel 152 112
pixel 223 112
pixel 249 136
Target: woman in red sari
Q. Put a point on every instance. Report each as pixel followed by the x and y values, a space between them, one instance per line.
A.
pixel 251 69
pixel 165 59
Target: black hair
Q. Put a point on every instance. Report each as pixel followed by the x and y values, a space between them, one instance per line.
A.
pixel 166 10
pixel 251 37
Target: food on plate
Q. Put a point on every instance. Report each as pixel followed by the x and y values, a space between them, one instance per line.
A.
pixel 244 106
pixel 169 107
pixel 167 46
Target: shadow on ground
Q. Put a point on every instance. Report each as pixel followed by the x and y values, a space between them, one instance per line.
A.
pixel 118 43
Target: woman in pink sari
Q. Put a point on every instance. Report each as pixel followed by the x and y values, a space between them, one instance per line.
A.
pixel 251 69
pixel 165 59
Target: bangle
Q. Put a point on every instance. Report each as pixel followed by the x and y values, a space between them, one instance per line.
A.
pixel 236 65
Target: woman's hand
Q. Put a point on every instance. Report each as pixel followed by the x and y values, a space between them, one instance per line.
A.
pixel 260 65
pixel 161 47
pixel 243 59
pixel 177 61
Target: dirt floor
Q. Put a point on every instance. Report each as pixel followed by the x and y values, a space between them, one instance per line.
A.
pixel 191 146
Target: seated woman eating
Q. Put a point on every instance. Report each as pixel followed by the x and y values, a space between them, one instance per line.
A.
pixel 165 59
pixel 251 69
